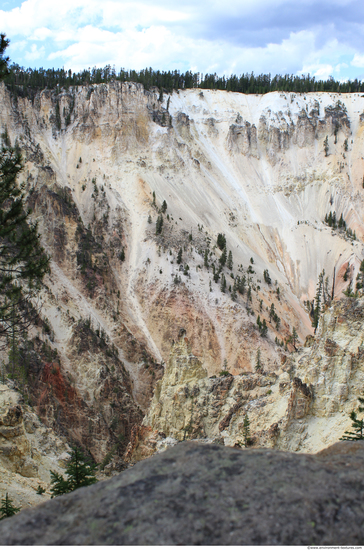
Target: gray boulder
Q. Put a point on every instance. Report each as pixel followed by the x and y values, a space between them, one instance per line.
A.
pixel 205 494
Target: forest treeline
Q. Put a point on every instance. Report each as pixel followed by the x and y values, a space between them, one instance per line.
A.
pixel 26 82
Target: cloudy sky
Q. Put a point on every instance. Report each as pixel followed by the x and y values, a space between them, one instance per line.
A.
pixel 320 37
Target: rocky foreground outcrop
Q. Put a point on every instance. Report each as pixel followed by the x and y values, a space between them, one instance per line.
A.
pixel 28 451
pixel 206 494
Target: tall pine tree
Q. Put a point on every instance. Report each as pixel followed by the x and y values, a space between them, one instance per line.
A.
pixel 318 298
pixel 23 261
pixel 159 225
pixel 4 42
pixel 223 257
pixel 258 363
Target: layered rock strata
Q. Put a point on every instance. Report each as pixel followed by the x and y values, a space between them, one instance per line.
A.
pixel 304 405
pixel 28 451
pixel 252 168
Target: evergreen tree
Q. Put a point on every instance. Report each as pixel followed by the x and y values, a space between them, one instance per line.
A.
pixel 23 261
pixel 58 116
pixel 326 146
pixel 264 329
pixel 221 241
pixel 360 276
pixel 272 312
pixel 79 471
pixel 26 82
pixel 179 256
pixel 357 425
pixel 258 364
pixel 223 283
pixel 336 131
pixel 159 225
pixel 249 296
pixel 349 290
pixel 267 278
pixel 7 509
pixel 4 42
pixel 223 257
pixel 164 207
pixel 153 203
pixel 230 260
pixel 59 485
pixel 206 258
pixel 241 281
pixel 149 219
pixel 294 337
pixel 246 430
pixel 277 321
pixel 317 308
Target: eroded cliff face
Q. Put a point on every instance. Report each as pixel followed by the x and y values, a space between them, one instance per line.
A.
pixel 302 405
pixel 252 168
pixel 28 451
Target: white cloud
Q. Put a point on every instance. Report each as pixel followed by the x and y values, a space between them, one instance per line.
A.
pixel 167 34
pixel 158 46
pixel 41 34
pixel 138 14
pixel 358 60
pixel 34 14
pixel 340 66
pixel 35 53
pixel 319 71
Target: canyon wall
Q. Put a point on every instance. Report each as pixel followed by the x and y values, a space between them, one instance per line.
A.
pixel 303 405
pixel 98 163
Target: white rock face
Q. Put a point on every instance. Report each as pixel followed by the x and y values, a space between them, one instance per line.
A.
pixel 250 167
